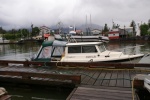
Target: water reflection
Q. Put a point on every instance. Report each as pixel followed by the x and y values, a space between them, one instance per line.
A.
pixel 18 51
pixel 25 92
pixel 128 47
pixel 131 48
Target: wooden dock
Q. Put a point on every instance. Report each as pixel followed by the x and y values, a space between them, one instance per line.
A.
pixel 83 76
pixel 98 83
pixel 101 93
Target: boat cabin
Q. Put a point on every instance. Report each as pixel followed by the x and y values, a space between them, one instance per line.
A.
pixel 83 51
pixel 63 51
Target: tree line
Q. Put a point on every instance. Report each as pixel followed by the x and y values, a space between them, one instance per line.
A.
pixel 144 28
pixel 16 34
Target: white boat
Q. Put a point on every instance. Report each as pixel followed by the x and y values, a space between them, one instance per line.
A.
pixel 79 52
pixel 4 40
pixel 80 38
pixel 90 38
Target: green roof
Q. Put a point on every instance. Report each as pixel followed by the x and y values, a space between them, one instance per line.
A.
pixel 54 43
pixel 47 43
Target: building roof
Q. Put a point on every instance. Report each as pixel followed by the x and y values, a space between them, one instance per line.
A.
pixel 44 27
pixel 125 28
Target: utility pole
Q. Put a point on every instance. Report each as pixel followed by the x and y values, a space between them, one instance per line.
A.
pixel 124 31
pixel 31 30
pixel 2 33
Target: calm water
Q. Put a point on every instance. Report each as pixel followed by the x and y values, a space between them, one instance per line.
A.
pixel 18 51
pixel 27 50
pixel 23 52
pixel 127 48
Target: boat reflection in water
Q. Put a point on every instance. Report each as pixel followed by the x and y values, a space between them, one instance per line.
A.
pixel 2 40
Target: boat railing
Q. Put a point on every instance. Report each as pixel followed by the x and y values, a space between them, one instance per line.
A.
pixel 125 51
pixel 120 54
pixel 71 39
pixel 110 52
pixel 131 52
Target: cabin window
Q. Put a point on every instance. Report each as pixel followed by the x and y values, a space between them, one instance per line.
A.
pixel 88 49
pixel 82 49
pixel 75 49
pixel 102 48
pixel 46 52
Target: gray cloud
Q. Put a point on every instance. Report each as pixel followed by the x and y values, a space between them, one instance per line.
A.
pixel 21 13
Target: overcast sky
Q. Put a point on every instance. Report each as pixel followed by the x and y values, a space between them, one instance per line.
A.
pixel 21 13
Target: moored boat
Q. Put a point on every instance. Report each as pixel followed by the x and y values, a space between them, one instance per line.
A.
pixel 79 52
pixel 2 40
pixel 82 38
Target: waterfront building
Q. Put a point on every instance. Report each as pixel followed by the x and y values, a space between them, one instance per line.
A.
pixel 44 29
pixel 43 34
pixel 120 32
pixel 96 32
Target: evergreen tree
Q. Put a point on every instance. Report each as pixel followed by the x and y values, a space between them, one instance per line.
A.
pixel 149 23
pixel 144 29
pixel 35 31
pixel 134 26
pixel 0 30
pixel 105 30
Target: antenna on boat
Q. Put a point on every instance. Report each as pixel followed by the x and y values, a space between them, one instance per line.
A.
pixel 90 25
pixel 86 21
pixel 90 22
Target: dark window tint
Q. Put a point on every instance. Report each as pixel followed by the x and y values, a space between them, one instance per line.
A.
pixel 88 49
pixel 82 49
pixel 76 49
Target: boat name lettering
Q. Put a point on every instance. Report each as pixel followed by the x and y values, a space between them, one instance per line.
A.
pixel 70 56
pixel 90 56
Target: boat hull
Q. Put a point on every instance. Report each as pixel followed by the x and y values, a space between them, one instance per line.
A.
pixel 102 59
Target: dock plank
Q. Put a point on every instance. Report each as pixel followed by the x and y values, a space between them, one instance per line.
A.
pixel 91 93
pixel 113 80
pixel 83 74
pixel 107 78
pixel 127 80
pixel 89 76
pixel 100 78
pixel 94 78
pixel 120 79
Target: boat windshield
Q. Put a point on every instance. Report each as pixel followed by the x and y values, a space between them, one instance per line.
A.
pixel 82 49
pixel 101 48
pixel 57 51
pixel 46 52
